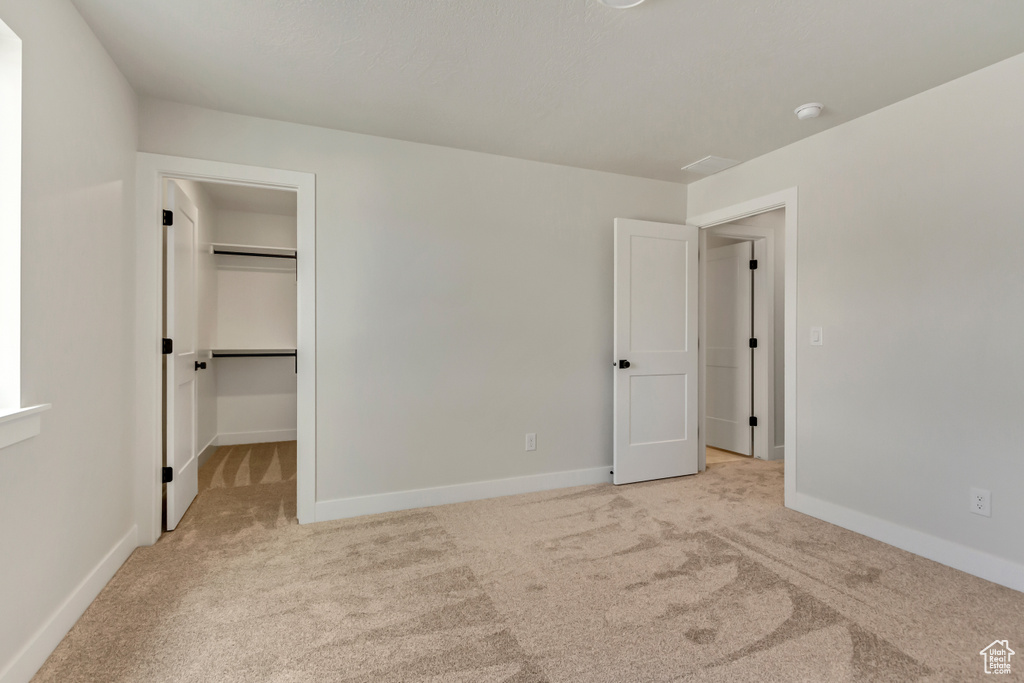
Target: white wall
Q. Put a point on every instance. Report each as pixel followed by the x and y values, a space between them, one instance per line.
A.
pixel 909 256
pixel 256 228
pixel 716 241
pixel 257 309
pixel 66 496
pixel 463 299
pixel 256 303
pixel 256 400
pixel 206 313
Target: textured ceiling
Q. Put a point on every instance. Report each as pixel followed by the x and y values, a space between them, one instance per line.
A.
pixel 641 91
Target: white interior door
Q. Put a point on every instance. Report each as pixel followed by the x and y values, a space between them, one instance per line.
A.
pixel 727 333
pixel 655 385
pixel 180 382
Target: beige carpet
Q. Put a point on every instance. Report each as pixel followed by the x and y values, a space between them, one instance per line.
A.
pixel 715 456
pixel 703 578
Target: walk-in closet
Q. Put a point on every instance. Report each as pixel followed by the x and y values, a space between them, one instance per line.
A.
pixel 230 295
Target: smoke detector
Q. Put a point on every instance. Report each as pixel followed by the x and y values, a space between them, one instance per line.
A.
pixel 710 165
pixel 809 110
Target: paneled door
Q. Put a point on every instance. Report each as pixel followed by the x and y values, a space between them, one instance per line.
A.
pixel 655 374
pixel 181 363
pixel 729 327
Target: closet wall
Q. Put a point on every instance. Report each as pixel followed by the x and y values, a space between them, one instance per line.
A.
pixel 256 310
pixel 247 304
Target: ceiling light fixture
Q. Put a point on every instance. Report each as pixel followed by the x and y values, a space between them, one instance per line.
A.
pixel 620 4
pixel 809 110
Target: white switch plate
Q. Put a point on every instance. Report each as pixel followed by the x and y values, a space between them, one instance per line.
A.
pixel 531 442
pixel 815 336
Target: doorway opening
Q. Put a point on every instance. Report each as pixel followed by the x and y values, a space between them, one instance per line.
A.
pixel 270 399
pixel 743 365
pixel 230 308
pixel 660 351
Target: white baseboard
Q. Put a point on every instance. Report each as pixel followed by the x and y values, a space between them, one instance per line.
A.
pixel 43 641
pixel 236 438
pixel 209 450
pixel 342 508
pixel 952 554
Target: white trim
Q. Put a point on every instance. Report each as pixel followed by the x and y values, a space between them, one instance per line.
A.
pixel 21 413
pixel 975 562
pixel 780 453
pixel 342 508
pixel 207 451
pixel 151 169
pixel 21 424
pixel 41 644
pixel 268 436
pixel 786 199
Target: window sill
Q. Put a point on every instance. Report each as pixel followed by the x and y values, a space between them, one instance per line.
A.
pixel 21 424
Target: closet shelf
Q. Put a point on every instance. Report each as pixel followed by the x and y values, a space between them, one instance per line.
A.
pixel 252 250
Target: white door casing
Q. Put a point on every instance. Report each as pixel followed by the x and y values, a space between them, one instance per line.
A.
pixel 152 171
pixel 788 200
pixel 180 327
pixel 728 360
pixel 655 331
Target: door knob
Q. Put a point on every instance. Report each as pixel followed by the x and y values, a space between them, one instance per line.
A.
pixel 623 364
pixel 200 366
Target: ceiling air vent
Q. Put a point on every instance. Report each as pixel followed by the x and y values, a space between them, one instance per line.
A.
pixel 710 165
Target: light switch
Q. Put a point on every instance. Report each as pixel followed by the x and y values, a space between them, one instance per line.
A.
pixel 815 336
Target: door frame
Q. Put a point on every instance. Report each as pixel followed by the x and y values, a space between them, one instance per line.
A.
pixel 151 171
pixel 785 199
pixel 763 378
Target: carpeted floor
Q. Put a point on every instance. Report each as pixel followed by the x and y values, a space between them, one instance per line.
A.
pixel 703 578
pixel 714 456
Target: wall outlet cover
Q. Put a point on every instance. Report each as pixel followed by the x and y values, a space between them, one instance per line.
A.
pixel 981 502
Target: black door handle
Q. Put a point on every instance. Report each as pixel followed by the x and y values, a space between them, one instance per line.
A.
pixel 623 364
pixel 200 366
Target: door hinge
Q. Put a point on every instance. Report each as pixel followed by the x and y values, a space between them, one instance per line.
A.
pixel 168 346
pixel 168 217
pixel 753 264
pixel 753 421
pixel 168 475
pixel 753 342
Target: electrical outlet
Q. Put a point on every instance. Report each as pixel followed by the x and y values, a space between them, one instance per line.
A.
pixel 531 442
pixel 981 502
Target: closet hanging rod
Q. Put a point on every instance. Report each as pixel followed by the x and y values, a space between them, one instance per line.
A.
pixel 252 253
pixel 256 354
